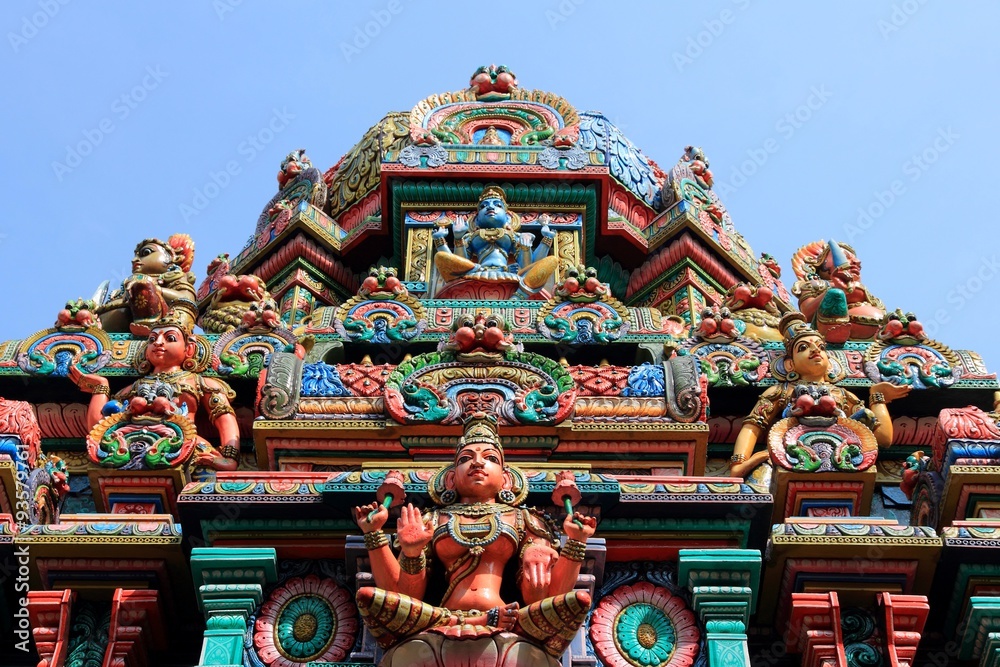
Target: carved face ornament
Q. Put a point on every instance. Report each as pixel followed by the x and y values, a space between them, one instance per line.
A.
pixel 809 358
pixel 167 348
pixel 492 213
pixel 152 259
pixel 478 473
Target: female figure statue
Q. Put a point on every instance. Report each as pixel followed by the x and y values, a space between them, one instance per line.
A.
pixel 806 363
pixel 169 392
pixel 476 531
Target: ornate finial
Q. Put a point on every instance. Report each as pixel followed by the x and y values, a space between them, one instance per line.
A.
pixel 481 429
pixel 492 82
pixel 493 192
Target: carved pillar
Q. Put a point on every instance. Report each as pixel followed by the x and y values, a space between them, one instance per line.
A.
pixel 814 630
pixel 723 585
pixel 905 616
pixel 49 612
pixel 230 585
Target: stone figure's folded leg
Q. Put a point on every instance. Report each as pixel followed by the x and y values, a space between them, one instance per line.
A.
pixel 392 617
pixel 553 622
pixel 536 274
pixel 451 266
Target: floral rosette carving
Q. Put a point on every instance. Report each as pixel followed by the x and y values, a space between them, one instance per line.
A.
pixel 904 355
pixel 306 619
pixel 383 312
pixel 583 311
pixel 643 625
pixel 53 351
pixel 480 368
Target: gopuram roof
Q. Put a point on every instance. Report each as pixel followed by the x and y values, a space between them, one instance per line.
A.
pixel 799 470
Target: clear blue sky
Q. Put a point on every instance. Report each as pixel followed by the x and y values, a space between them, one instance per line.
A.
pixel 841 103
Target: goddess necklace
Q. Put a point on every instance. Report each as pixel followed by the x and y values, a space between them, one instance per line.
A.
pixel 471 539
pixel 491 235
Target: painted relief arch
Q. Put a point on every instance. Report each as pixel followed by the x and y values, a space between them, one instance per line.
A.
pixel 512 123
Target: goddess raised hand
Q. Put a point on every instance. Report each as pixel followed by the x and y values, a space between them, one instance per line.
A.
pixel 371 517
pixel 413 533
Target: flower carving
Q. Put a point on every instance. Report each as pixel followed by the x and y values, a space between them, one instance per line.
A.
pixel 643 625
pixel 304 620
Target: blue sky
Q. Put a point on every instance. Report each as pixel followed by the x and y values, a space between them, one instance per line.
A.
pixel 868 122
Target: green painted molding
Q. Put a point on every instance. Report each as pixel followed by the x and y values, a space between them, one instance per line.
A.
pixel 728 650
pixel 991 654
pixel 956 604
pixel 224 565
pixel 981 621
pixel 719 568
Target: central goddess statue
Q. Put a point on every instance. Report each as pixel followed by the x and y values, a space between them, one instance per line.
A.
pixel 494 251
pixel 478 530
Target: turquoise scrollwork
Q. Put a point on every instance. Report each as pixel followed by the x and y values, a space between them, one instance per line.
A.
pixel 244 354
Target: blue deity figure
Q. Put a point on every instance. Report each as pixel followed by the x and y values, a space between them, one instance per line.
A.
pixel 493 251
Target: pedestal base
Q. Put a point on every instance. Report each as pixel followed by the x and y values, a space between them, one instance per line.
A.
pixel 429 649
pixel 802 494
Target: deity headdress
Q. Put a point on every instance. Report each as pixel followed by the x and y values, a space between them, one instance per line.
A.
pixel 481 429
pixel 175 318
pixel 493 192
pixel 826 255
pixel 794 327
pixel 180 247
